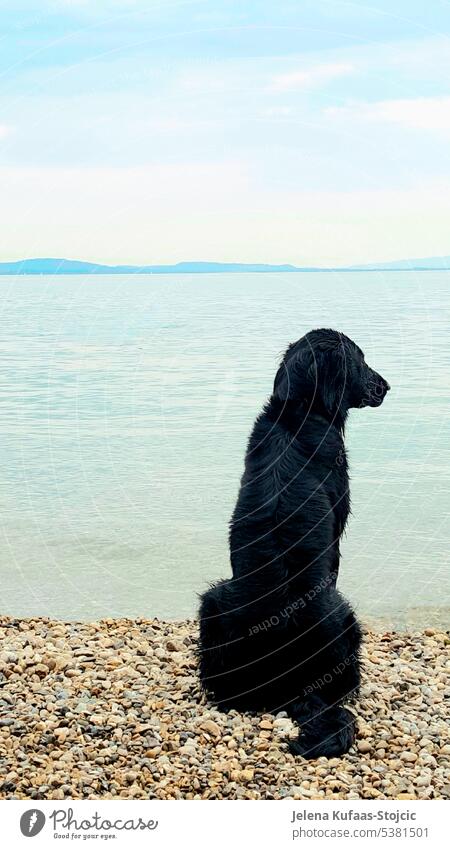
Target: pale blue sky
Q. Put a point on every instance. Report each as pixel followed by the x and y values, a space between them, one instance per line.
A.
pixel 304 132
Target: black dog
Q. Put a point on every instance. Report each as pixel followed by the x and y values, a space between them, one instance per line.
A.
pixel 278 635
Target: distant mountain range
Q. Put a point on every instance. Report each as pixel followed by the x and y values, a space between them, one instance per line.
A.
pixel 71 266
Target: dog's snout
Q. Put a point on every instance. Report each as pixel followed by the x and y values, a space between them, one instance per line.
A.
pixel 382 382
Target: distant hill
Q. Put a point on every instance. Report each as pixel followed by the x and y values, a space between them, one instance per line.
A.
pixel 73 266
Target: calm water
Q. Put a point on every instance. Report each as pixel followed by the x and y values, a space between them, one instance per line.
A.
pixel 126 403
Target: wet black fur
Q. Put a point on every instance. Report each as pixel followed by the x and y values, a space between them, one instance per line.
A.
pixel 278 634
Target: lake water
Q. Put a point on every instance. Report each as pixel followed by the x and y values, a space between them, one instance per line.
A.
pixel 125 406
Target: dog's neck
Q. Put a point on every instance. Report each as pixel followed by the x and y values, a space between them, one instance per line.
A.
pixel 294 412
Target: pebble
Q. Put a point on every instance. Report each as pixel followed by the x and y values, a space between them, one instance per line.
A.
pixel 113 709
pixel 408 757
pixel 173 645
pixel 211 728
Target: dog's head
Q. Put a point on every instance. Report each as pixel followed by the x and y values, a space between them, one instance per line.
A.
pixel 327 370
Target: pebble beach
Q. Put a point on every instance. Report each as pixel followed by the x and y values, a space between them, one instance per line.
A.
pixel 113 709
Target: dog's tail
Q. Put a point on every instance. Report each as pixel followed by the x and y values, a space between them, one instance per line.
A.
pixel 325 730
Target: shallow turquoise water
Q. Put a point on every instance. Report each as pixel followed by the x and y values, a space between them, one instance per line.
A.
pixel 123 398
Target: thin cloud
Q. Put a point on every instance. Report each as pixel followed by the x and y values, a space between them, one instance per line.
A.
pixel 315 76
pixel 419 113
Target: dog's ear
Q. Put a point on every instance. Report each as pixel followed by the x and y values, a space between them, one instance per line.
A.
pixel 329 376
pixel 317 373
pixel 292 379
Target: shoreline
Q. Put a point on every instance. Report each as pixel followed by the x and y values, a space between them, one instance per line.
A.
pixel 113 709
pixel 410 620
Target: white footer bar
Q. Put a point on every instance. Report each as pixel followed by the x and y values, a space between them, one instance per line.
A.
pixel 217 824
